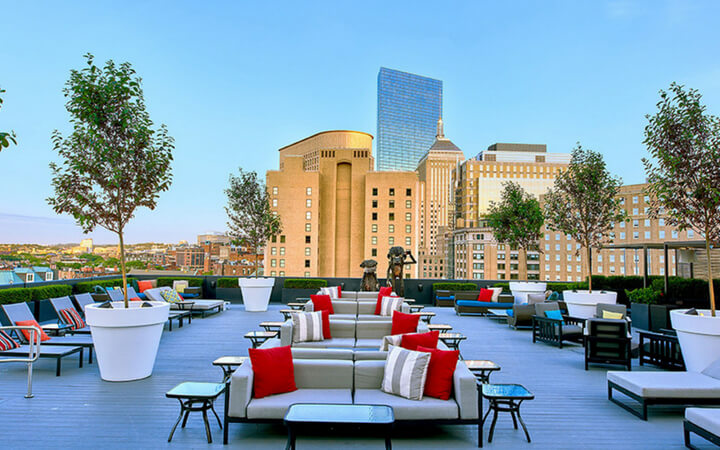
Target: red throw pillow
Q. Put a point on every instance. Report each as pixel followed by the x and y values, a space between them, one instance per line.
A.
pixel 326 324
pixel 485 295
pixel 440 372
pixel 137 299
pixel 404 323
pixel 384 292
pixel 412 341
pixel 273 370
pixel 322 303
pixel 32 323
pixel 144 285
pixel 339 294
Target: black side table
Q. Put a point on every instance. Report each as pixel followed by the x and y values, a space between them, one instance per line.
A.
pixel 482 369
pixel 503 397
pixel 190 394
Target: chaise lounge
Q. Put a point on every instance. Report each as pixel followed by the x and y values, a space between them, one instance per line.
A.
pixel 202 306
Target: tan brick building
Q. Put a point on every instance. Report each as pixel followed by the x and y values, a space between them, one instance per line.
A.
pixel 336 210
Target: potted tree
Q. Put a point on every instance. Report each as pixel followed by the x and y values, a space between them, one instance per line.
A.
pixel 583 204
pixel 113 163
pixel 517 220
pixel 252 223
pixel 684 184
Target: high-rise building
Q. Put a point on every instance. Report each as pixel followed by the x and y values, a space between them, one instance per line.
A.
pixel 407 111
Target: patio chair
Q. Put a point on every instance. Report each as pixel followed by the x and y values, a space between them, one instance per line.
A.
pixel 30 352
pixel 61 303
pixel 18 312
pixel 521 316
pixel 555 331
pixel 82 300
pixel 183 287
pixel 607 341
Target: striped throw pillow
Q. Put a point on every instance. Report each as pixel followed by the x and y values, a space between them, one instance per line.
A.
pixel 71 317
pixel 405 373
pixel 170 296
pixel 392 340
pixel 307 327
pixel 390 304
pixel 6 342
pixel 332 291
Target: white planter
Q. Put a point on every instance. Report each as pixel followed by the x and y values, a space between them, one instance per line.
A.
pixel 521 289
pixel 699 337
pixel 256 293
pixel 126 340
pixel 583 304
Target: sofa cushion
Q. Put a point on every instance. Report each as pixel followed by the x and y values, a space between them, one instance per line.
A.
pixel 307 326
pixel 405 373
pixel 374 318
pixel 404 323
pixel 369 374
pixel 275 406
pixel 342 328
pixel 345 307
pixel 369 355
pixel 332 291
pixel 323 374
pixel 323 353
pixel 372 329
pixel 368 343
pixel 706 418
pixel 389 305
pixel 404 409
pixel 367 295
pixel 440 372
pixel 273 371
pixel 667 384
pixel 344 317
pixel 412 341
pixel 327 343
pixel 384 292
pixel 322 303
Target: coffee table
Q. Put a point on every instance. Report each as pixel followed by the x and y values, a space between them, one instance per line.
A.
pixel 425 316
pixel 441 327
pixel 416 308
pixel 296 305
pixel 306 415
pixel 481 369
pixel 452 340
pixel 189 394
pixel 271 326
pixel 507 398
pixel 228 364
pixel 257 338
pixel 287 313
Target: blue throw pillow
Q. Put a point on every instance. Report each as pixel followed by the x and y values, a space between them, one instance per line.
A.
pixel 555 314
pixel 510 312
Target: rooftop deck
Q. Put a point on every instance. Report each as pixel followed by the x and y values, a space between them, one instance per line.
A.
pixel 570 410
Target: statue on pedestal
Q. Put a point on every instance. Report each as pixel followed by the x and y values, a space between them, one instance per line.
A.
pixel 369 281
pixel 398 259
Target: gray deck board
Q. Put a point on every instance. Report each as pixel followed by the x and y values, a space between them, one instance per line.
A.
pixel 79 410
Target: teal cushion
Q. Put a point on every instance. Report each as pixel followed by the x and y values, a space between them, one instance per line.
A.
pixel 555 314
pixel 510 313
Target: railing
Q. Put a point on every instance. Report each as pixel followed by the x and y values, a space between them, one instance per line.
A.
pixel 33 352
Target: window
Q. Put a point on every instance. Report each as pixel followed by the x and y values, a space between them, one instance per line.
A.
pixel 647 222
pixel 636 223
pixel 274 203
pixel 374 228
pixel 547 257
pixel 273 263
pixel 661 234
pixel 307 263
pixel 647 199
pixel 373 252
pixel 622 235
pixel 307 252
pixel 578 268
pixel 569 257
pixel 307 274
pixel 547 247
pixel 391 228
pixel 408 204
pixel 308 191
pixel 391 216
pixel 275 190
pixel 622 224
pixel 547 267
pixel 274 239
pixel 408 192
pixel 569 247
pixel 307 239
pixel 273 250
pixel 647 235
pixel 374 191
pixel 635 212
pixel 391 203
pixel 282 238
pixel 391 240
pixel 674 234
pixel 569 268
pixel 374 203
pixel 635 199
pixel 557 267
pixel 557 247
pixel 407 241
pixel 661 222
pixel 636 235
pixel 374 216
pixel 373 240
pixel 282 250
pixel 272 274
pixel 308 227
pixel 408 217
pixel 392 192
pixel 557 236
pixel 308 203
pixel 408 228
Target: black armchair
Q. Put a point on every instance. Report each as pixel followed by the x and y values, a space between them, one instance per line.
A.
pixel 555 331
pixel 607 341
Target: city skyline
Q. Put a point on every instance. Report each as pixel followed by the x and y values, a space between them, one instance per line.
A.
pixel 543 87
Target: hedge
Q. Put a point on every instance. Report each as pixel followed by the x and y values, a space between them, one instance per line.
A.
pixel 686 288
pixel 304 283
pixel 19 295
pixel 455 287
pixel 89 286
pixel 228 283
pixel 168 281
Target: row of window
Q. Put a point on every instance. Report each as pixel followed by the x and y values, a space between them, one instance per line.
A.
pixel 391 216
pixel 275 190
pixel 391 204
pixel 391 192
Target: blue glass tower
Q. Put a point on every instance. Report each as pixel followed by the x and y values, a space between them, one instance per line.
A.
pixel 409 107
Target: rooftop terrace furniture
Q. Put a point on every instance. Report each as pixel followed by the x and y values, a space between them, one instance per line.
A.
pixel 444 298
pixel 660 349
pixel 705 422
pixel 30 352
pixel 348 382
pixel 18 312
pixel 355 310
pixel 200 306
pixel 555 331
pixel 190 394
pixel 183 287
pixel 466 302
pixel 82 300
pixel 607 341
pixel 60 303
pixel 666 388
pixel 521 316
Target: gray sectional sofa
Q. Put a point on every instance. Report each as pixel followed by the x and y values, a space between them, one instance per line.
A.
pixel 348 382
pixel 355 309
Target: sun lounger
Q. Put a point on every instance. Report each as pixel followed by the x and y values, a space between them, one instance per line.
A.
pixel 29 353
pixel 82 300
pixel 200 306
pixel 60 303
pixel 705 422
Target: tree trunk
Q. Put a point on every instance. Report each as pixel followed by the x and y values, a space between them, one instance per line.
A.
pixel 525 269
pixel 710 278
pixel 122 267
pixel 589 268
pixel 256 261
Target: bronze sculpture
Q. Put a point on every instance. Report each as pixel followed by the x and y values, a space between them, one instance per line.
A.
pixel 369 281
pixel 398 259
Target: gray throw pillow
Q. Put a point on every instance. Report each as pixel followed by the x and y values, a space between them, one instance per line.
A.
pixel 307 327
pixel 405 373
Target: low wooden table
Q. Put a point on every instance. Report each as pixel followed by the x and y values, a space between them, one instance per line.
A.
pixel 257 338
pixel 189 394
pixel 271 326
pixel 452 340
pixel 296 305
pixel 416 308
pixel 305 415
pixel 441 327
pixel 228 364
pixel 287 313
pixel 503 398
pixel 425 316
pixel 409 300
pixel 481 369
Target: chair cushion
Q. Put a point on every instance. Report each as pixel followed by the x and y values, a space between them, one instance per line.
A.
pixel 611 315
pixel 307 327
pixel 384 292
pixel 6 342
pixel 26 333
pixel 390 304
pixel 273 371
pixel 404 323
pixel 405 373
pixel 327 343
pixel 373 317
pixel 485 295
pixel 477 304
pixel 706 418
pixel 439 382
pixel 322 303
pixel 71 317
pixel 412 341
pixel 144 285
pixel 275 406
pixel 404 409
pixel 667 384
pixel 203 305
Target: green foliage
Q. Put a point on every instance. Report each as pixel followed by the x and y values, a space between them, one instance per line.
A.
pixel 251 221
pixel 228 283
pixel 89 286
pixel 454 286
pixel 6 138
pixel 304 283
pixel 684 288
pixel 504 285
pixel 18 295
pixel 647 295
pixel 168 281
pixel 136 265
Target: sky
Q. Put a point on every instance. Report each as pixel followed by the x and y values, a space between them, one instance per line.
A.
pixel 235 81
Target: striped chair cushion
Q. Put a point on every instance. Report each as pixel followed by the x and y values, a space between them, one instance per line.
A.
pixel 71 317
pixel 307 327
pixel 171 296
pixel 405 373
pixel 6 342
pixel 390 304
pixel 332 291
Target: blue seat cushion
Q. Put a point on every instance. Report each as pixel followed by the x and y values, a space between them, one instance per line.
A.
pixel 445 298
pixel 141 296
pixel 184 295
pixel 555 314
pixel 477 304
pixel 510 313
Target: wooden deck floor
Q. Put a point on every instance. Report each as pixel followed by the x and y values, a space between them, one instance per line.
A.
pixel 79 410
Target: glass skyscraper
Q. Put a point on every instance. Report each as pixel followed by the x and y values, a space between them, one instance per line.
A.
pixel 409 107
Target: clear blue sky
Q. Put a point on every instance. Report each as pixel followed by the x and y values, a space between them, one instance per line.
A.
pixel 236 81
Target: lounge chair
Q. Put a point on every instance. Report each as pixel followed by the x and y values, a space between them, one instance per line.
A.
pixel 17 312
pixel 117 295
pixel 705 422
pixel 666 388
pixel 29 353
pixel 201 306
pixel 183 287
pixel 555 331
pixel 60 303
pixel 607 341
pixel 82 300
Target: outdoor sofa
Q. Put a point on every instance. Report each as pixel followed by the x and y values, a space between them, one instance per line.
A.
pixel 355 309
pixel 466 302
pixel 666 388
pixel 705 422
pixel 202 306
pixel 348 382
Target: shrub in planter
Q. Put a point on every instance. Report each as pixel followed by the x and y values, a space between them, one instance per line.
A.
pixel 89 286
pixel 648 296
pixel 304 283
pixel 228 283
pixel 454 287
pixel 505 286
pixel 168 281
pixel 15 295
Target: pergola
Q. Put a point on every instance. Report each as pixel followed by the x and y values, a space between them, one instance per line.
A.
pixel 665 246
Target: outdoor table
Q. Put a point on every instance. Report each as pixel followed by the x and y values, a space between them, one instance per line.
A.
pixel 306 415
pixel 257 338
pixel 189 394
pixel 425 316
pixel 416 308
pixel 228 364
pixel 287 313
pixel 503 397
pixel 57 329
pixel 296 305
pixel 452 340
pixel 409 300
pixel 441 327
pixel 482 369
pixel 271 326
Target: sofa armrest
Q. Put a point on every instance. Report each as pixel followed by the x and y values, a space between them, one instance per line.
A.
pixel 241 384
pixel 422 327
pixel 286 333
pixel 309 306
pixel 466 394
pixel 405 308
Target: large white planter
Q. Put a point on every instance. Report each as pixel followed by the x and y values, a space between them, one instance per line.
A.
pixel 699 337
pixel 256 293
pixel 583 304
pixel 126 340
pixel 521 289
